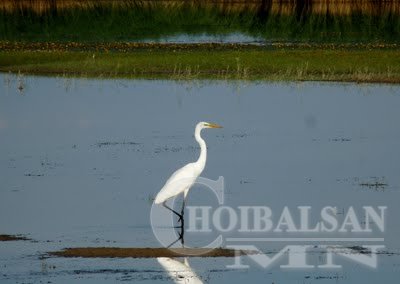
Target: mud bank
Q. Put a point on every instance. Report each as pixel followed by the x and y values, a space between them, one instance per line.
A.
pixel 112 252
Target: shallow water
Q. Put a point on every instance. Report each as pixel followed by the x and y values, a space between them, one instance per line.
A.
pixel 81 160
pixel 206 38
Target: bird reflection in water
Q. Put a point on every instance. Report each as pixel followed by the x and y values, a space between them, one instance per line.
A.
pixel 180 272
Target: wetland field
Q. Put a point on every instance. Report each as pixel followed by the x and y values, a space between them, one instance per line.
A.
pixel 270 40
pixel 82 159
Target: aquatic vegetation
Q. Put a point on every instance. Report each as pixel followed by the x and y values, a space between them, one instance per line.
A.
pixel 335 64
pixel 294 40
pixel 135 20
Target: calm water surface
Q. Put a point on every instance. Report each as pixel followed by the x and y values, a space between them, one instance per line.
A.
pixel 81 160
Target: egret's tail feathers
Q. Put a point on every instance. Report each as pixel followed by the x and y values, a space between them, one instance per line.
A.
pixel 158 199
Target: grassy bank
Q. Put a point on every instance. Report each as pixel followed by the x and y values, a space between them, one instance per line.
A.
pixel 357 65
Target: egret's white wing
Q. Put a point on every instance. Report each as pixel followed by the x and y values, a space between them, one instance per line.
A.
pixel 180 272
pixel 180 180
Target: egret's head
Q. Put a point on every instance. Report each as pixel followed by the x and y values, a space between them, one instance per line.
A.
pixel 209 125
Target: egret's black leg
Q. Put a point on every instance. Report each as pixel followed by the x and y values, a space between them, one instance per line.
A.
pixel 174 242
pixel 182 226
pixel 180 238
pixel 182 234
pixel 166 206
pixel 183 207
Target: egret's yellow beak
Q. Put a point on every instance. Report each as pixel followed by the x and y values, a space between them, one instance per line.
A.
pixel 213 125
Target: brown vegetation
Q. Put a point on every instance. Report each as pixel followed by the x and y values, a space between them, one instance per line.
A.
pixel 5 238
pixel 112 252
pixel 333 7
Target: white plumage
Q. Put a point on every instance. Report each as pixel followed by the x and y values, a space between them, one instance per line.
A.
pixel 185 177
pixel 179 182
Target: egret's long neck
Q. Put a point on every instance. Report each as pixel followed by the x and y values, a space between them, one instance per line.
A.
pixel 201 162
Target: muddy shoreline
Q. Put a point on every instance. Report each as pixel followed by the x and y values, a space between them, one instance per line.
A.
pixel 6 238
pixel 114 252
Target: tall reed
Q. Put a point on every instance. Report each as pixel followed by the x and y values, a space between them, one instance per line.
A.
pixel 126 20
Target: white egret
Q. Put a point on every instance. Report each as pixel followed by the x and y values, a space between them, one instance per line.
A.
pixel 185 177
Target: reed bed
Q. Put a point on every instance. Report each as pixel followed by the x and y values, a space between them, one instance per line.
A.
pixel 132 20
pixel 334 7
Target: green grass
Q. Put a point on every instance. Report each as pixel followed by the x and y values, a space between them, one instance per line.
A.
pixel 360 46
pixel 281 64
pixel 134 20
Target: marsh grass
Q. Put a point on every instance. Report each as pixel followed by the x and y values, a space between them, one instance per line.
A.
pixel 276 65
pixel 132 20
